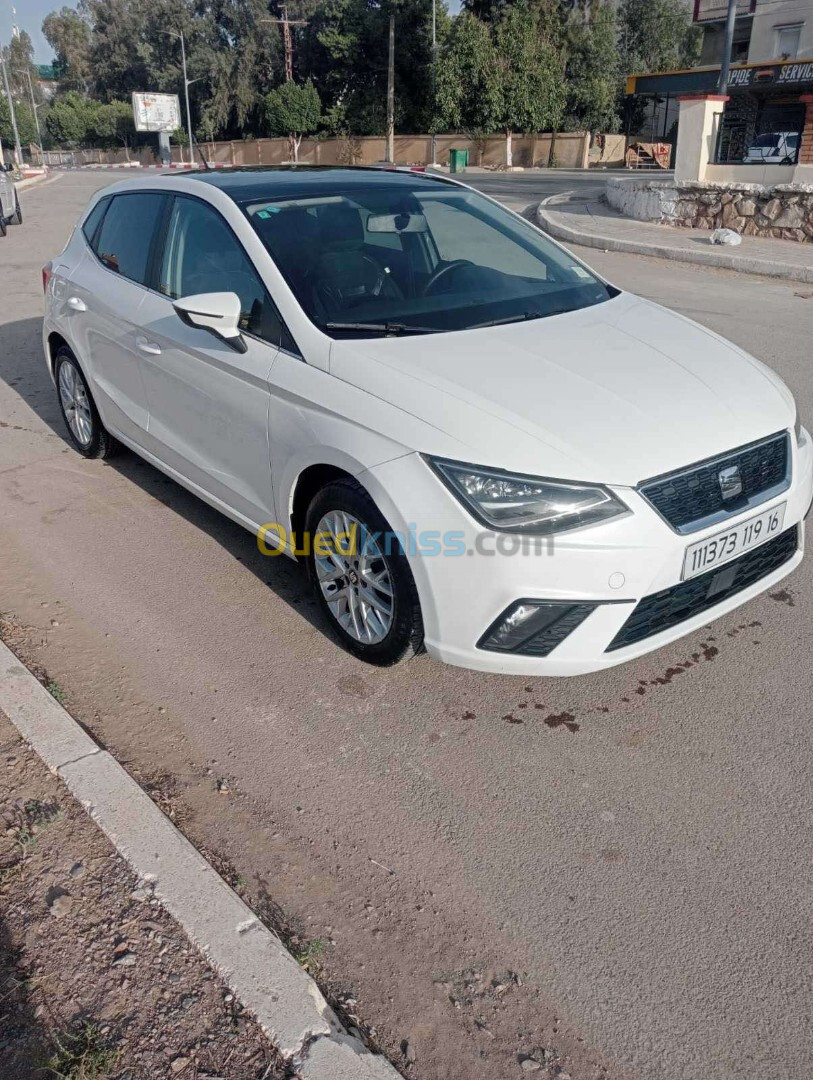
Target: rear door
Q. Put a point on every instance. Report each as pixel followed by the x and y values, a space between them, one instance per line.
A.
pixel 208 404
pixel 102 302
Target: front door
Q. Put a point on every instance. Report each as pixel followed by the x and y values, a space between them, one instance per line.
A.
pixel 209 404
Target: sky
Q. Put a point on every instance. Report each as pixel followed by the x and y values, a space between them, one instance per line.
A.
pixel 30 14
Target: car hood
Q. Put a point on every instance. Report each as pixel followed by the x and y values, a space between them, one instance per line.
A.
pixel 616 393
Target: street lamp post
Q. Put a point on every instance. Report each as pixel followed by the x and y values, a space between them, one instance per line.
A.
pixel 186 84
pixel 731 20
pixel 18 150
pixel 34 105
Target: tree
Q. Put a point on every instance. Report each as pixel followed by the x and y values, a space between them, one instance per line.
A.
pixel 113 124
pixel 70 120
pixel 293 110
pixel 469 88
pixel 344 50
pixel 19 58
pixel 531 70
pixel 68 34
pixel 656 35
pixel 592 70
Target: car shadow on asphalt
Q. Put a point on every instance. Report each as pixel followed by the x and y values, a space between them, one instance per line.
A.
pixel 29 379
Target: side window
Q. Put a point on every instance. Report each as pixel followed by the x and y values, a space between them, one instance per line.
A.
pixel 202 255
pixel 125 237
pixel 91 224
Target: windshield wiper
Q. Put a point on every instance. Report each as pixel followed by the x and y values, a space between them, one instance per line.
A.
pixel 391 329
pixel 524 317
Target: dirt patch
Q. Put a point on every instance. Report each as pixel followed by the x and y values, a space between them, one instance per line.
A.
pixel 94 975
pixel 351 945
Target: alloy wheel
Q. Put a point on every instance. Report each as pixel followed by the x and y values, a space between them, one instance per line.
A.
pixel 75 403
pixel 354 577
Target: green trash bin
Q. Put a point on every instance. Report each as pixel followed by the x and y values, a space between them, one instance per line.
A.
pixel 458 160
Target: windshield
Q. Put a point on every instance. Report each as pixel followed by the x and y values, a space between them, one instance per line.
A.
pixel 770 140
pixel 412 258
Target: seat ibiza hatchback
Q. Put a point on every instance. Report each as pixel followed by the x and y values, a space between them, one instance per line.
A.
pixel 477 445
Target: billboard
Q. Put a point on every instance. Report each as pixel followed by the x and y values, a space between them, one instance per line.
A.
pixel 156 112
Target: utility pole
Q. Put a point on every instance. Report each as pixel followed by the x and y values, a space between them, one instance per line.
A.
pixel 286 25
pixel 731 17
pixel 18 150
pixel 391 90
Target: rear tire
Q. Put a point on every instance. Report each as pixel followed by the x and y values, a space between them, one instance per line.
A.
pixel 366 591
pixel 85 428
pixel 3 226
pixel 17 217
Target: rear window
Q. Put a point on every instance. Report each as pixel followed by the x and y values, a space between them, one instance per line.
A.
pixel 125 238
pixel 769 140
pixel 91 224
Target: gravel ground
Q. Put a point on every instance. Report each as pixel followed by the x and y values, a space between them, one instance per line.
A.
pixel 94 975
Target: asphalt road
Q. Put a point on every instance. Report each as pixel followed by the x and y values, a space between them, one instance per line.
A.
pixel 635 843
pixel 533 185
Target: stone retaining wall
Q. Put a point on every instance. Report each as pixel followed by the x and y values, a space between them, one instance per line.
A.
pixel 784 211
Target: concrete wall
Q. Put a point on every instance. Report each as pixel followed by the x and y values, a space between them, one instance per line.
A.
pixel 528 150
pixel 783 211
pixel 643 200
pixel 770 14
pixel 768 175
pixel 697 136
pixel 608 151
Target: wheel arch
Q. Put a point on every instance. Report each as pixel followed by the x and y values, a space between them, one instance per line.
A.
pixel 309 481
pixel 55 342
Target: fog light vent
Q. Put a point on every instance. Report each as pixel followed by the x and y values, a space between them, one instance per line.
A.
pixel 534 627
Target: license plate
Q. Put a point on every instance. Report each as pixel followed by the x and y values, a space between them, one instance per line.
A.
pixel 725 546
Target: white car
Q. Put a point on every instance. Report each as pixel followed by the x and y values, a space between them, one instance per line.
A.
pixel 773 148
pixel 10 212
pixel 477 445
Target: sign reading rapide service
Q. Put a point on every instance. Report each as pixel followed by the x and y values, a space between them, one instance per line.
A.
pixel 156 112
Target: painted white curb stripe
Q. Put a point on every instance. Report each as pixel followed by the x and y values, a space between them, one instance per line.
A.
pixel 249 958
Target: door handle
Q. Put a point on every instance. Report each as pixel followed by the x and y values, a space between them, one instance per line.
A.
pixel 147 346
pixel 76 304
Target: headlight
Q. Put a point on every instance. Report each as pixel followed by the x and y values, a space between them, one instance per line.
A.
pixel 797 429
pixel 514 503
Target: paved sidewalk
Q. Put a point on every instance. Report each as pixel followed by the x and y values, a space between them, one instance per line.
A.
pixel 94 974
pixel 587 221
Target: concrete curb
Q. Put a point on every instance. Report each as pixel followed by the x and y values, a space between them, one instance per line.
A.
pixel 249 958
pixel 30 181
pixel 723 260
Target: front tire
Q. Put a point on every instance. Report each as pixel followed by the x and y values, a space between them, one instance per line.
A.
pixel 3 226
pixel 17 217
pixel 85 428
pixel 362 580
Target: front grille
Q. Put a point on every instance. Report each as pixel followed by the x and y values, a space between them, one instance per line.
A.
pixel 692 498
pixel 667 608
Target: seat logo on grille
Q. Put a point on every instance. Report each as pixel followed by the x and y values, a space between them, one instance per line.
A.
pixel 730 481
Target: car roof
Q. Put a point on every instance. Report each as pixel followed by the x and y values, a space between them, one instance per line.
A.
pixel 246 183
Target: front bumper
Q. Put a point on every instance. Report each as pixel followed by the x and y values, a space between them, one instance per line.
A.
pixel 467 577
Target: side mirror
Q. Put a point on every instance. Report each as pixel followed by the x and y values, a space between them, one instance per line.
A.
pixel 217 312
